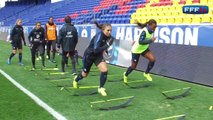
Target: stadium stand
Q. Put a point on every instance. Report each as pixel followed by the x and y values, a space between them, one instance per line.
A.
pixel 172 12
pixel 110 11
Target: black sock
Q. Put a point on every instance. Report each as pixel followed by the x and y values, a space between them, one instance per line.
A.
pixel 129 70
pixel 42 59
pixel 33 61
pixel 20 57
pixel 149 67
pixel 79 77
pixel 62 65
pixel 11 55
pixel 53 54
pixel 103 79
pixel 48 54
pixel 73 66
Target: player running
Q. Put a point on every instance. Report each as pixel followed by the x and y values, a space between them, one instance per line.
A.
pixel 141 47
pixel 94 54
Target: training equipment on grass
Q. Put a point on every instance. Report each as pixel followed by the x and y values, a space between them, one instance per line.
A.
pixel 103 104
pixel 49 69
pixel 58 73
pixel 58 78
pixel 114 78
pixel 42 69
pixel 54 77
pixel 80 91
pixel 179 93
pixel 136 84
pixel 176 117
pixel 29 68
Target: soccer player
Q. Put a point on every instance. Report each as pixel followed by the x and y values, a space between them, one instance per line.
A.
pixel 16 37
pixel 68 39
pixel 36 39
pixel 94 54
pixel 141 47
pixel 51 36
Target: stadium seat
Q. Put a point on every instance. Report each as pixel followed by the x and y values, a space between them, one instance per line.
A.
pixel 196 1
pixel 164 20
pixel 203 2
pixel 188 2
pixel 187 19
pixel 196 19
pixel 141 10
pixel 171 20
pixel 206 19
pixel 179 20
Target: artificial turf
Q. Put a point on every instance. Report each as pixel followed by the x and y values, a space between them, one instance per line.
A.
pixel 148 103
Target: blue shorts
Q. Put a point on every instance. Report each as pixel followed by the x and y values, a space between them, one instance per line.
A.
pixel 135 56
pixel 88 60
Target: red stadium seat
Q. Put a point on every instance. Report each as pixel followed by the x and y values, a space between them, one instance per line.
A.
pixel 196 1
pixel 182 2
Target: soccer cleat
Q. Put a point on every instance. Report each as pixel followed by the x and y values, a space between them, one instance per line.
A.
pixel 53 61
pixel 8 61
pixel 74 83
pixel 102 91
pixel 33 69
pixel 37 58
pixel 74 73
pixel 148 77
pixel 21 64
pixel 125 77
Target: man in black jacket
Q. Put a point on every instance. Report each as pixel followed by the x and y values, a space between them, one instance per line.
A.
pixel 36 39
pixel 68 39
pixel 16 37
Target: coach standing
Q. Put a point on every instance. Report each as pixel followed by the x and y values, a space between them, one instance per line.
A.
pixel 68 39
pixel 51 36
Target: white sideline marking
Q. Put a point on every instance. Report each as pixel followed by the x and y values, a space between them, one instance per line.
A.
pixel 55 114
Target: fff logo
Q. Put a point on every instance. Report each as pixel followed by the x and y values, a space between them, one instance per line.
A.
pixel 195 9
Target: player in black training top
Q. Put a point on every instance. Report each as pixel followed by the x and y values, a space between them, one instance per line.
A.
pixel 94 54
pixel 68 39
pixel 16 37
pixel 36 39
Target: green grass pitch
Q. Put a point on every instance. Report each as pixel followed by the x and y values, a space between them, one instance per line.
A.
pixel 148 104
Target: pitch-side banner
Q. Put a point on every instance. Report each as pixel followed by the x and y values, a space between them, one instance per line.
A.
pixel 191 35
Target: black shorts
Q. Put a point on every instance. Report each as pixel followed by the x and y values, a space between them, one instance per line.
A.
pixel 135 57
pixel 17 45
pixel 51 43
pixel 37 47
pixel 88 60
